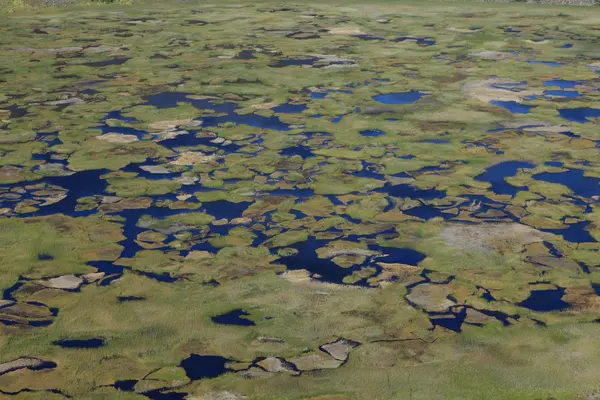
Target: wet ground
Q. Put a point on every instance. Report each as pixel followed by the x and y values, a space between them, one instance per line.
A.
pixel 201 207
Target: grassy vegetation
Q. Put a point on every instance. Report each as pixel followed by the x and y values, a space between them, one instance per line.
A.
pixel 9 6
pixel 517 362
pixel 54 246
pixel 244 161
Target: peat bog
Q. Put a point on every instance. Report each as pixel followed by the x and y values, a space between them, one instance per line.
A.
pixel 239 201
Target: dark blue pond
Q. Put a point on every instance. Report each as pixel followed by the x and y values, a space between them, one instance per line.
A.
pixel 368 172
pixel 127 299
pixel 570 134
pixel 125 385
pixel 114 61
pixel 399 98
pixel 575 180
pixel 204 367
pixel 496 174
pixel 575 233
pixel 566 46
pixel 16 111
pixel 161 395
pixel 299 150
pixel 170 100
pixel 288 108
pixel 487 296
pixel 323 93
pixel 291 62
pixel 399 255
pixel 80 344
pixel 245 55
pixel 80 184
pixel 44 365
pixel 235 317
pixel 369 37
pixel 545 300
pixel 512 106
pixel 307 258
pixel 455 319
pixel 561 83
pixel 131 230
pixel 372 133
pixel 546 63
pixel 435 141
pixel 451 321
pixel 50 138
pixel 301 193
pixel 511 30
pixel 569 94
pixel 419 40
pixel 426 212
pixel 337 120
pixel 247 119
pixel 406 190
pixel 579 115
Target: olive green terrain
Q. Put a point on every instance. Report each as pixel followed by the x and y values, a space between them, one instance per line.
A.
pixel 79 97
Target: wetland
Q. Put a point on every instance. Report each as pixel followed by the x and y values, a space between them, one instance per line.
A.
pixel 227 201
